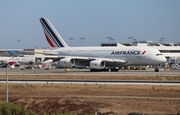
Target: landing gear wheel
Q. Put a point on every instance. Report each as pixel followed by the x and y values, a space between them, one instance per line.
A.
pixel 156 70
pixel 114 69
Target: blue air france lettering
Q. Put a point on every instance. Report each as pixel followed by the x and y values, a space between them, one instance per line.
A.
pixel 127 52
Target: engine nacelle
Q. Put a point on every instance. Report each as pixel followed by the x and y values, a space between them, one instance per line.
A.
pixel 67 62
pixel 97 64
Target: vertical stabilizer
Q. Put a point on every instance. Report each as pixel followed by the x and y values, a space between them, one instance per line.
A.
pixel 51 34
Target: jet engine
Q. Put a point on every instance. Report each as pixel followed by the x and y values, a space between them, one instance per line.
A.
pixel 97 64
pixel 67 62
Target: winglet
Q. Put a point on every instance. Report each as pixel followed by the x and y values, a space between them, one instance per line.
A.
pixel 51 34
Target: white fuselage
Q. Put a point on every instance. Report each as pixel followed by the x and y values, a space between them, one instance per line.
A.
pixel 133 55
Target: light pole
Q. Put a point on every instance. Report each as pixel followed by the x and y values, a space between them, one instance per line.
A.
pixel 130 38
pixel 161 40
pixel 110 38
pixel 134 42
pixel 71 41
pixel 7 68
pixel 82 40
pixel 18 43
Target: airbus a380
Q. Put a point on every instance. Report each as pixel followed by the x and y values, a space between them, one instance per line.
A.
pixel 98 57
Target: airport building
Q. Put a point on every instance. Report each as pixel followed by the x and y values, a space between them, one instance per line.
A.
pixel 168 49
pixel 22 52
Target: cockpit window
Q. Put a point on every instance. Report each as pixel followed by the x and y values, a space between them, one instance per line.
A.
pixel 158 54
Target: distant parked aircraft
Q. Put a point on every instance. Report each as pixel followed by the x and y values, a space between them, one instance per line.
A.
pixel 17 60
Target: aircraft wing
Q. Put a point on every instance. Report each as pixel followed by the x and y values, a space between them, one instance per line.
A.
pixel 44 53
pixel 108 61
pixel 57 58
pixel 84 61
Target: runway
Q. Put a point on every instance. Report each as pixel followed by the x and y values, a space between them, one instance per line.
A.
pixel 108 82
pixel 52 71
pixel 86 72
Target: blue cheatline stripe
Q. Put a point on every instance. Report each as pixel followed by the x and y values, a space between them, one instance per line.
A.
pixel 50 31
pixel 53 35
pixel 50 37
pixel 49 34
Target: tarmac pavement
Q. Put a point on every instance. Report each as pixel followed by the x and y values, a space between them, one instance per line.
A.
pixel 72 71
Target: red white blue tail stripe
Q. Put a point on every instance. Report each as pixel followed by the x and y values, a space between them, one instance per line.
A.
pixel 52 36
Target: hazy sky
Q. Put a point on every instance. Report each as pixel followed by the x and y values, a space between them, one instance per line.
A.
pixel 92 19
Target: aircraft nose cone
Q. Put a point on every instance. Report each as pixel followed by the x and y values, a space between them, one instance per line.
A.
pixel 162 59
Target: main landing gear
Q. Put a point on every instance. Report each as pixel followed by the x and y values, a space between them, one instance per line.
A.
pixel 156 69
pixel 107 69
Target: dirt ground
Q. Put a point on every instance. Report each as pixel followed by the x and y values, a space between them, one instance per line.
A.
pixel 86 98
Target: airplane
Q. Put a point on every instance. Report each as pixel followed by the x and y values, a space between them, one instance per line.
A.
pixel 17 60
pixel 25 60
pixel 98 58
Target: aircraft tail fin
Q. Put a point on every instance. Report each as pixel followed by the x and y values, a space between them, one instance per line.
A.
pixel 52 36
